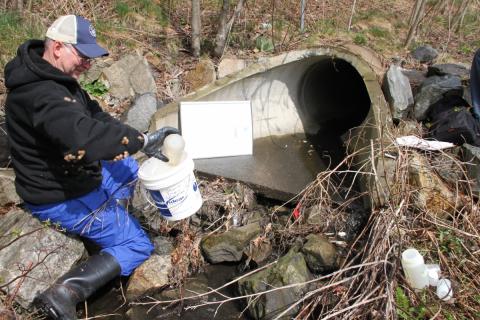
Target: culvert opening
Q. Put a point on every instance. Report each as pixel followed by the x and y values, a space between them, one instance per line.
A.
pixel 333 98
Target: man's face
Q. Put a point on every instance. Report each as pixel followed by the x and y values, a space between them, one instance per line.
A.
pixel 73 62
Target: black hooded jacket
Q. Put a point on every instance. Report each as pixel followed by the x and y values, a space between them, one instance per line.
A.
pixel 57 134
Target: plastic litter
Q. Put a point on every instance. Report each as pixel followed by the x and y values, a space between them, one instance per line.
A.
pixel 433 272
pixel 444 289
pixel 414 268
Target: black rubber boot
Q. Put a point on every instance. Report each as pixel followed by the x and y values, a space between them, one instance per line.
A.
pixel 60 300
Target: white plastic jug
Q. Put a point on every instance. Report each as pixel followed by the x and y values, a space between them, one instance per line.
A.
pixel 173 148
pixel 414 268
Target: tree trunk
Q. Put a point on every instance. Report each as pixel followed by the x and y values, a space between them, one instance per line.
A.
pixel 225 26
pixel 221 37
pixel 20 6
pixel 459 15
pixel 196 27
pixel 415 18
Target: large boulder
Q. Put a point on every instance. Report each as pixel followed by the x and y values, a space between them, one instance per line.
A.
pixel 432 90
pixel 149 276
pixel 290 269
pixel 33 255
pixel 424 54
pixel 203 74
pixel 139 114
pixel 230 245
pixel 450 69
pixel 399 92
pixel 416 78
pixel 431 192
pixel 128 77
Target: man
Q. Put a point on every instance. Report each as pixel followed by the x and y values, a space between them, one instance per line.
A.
pixel 71 160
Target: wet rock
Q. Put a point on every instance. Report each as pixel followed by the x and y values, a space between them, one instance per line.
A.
pixel 203 74
pixel 28 245
pixel 128 77
pixel 449 69
pixel 151 275
pixel 194 286
pixel 471 156
pixel 320 254
pixel 230 65
pixel 433 90
pixel 256 216
pixel 424 54
pixel 163 245
pixel 139 114
pixel 7 188
pixel 399 92
pixel 281 216
pixel 290 269
pixel 229 246
pixel 432 194
pixel 259 252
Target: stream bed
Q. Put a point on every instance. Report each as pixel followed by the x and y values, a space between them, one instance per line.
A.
pixel 109 304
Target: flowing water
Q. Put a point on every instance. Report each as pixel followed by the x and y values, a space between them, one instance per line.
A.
pixel 110 304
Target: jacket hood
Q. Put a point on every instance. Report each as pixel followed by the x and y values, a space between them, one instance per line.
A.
pixel 29 66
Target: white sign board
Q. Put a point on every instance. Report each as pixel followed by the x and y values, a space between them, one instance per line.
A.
pixel 216 128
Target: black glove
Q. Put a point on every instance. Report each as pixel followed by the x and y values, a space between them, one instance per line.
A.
pixel 154 141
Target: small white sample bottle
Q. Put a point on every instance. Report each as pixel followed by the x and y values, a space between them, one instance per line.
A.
pixel 414 268
pixel 173 148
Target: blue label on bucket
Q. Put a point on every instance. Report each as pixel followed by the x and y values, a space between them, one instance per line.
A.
pixel 160 203
pixel 195 187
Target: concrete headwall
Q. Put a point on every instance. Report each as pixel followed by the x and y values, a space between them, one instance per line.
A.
pixel 282 92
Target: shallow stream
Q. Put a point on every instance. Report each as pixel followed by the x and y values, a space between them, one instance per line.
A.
pixel 110 302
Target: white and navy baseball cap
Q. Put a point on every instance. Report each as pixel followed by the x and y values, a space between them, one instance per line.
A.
pixel 79 32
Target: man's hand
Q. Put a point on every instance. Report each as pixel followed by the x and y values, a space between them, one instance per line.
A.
pixel 154 141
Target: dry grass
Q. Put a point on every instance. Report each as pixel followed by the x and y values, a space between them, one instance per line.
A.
pixel 370 283
pixel 378 290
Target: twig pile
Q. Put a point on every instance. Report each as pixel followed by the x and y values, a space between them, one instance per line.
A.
pixel 450 237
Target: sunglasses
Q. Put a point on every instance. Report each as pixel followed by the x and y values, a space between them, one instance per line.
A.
pixel 83 59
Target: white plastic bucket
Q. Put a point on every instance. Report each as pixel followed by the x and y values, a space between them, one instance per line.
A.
pixel 173 189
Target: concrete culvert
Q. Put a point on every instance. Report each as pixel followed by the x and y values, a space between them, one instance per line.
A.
pixel 304 104
pixel 333 99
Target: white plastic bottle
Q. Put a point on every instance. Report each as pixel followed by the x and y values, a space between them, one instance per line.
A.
pixel 173 148
pixel 414 268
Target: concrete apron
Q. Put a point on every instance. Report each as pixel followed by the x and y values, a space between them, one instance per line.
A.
pixel 299 98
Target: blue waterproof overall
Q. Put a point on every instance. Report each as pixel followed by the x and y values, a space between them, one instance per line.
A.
pixel 98 217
